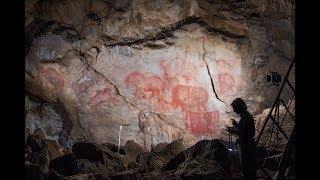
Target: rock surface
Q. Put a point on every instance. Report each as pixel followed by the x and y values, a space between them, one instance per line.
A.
pixel 206 159
pixel 213 150
pixel 132 150
pixel 162 70
pixel 200 167
pixel 158 157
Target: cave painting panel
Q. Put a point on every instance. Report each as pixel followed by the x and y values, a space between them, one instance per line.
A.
pixel 192 100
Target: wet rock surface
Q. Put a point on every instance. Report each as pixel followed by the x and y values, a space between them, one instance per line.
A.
pixel 212 150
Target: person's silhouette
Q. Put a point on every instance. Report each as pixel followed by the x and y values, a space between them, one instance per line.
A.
pixel 245 129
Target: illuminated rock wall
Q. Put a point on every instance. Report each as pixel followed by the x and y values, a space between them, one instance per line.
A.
pixel 164 70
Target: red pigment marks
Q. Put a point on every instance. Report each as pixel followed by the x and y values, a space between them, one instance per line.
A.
pixel 103 95
pixel 87 80
pixel 51 76
pixel 223 64
pixel 202 122
pixel 226 83
pixel 147 87
pixel 91 80
pixel 191 99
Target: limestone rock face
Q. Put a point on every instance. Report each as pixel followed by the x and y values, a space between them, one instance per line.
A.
pixel 162 70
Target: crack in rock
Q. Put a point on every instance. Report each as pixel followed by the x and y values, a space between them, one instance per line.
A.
pixel 131 103
pixel 117 89
pixel 169 124
pixel 211 80
pixel 119 93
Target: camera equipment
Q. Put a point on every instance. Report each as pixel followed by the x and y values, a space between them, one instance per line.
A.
pixel 274 78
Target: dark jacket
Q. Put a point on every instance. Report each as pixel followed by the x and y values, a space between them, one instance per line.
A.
pixel 246 129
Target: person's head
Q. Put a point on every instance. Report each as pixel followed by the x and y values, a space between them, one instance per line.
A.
pixel 239 106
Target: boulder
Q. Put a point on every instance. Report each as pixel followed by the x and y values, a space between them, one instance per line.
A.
pixel 160 176
pixel 63 164
pixel 89 176
pixel 39 151
pixel 132 150
pixel 158 147
pixel 84 166
pixel 33 172
pixel 53 175
pixel 26 134
pixel 132 174
pixel 53 148
pixel 96 153
pixel 36 140
pixel 200 167
pixel 208 149
pixel 159 157
pixel 132 165
pixel 83 150
pixel 41 159
pixel 114 148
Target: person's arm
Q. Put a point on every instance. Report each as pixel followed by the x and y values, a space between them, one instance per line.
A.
pixel 233 130
pixel 235 124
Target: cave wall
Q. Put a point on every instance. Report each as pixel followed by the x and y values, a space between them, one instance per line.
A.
pixel 163 69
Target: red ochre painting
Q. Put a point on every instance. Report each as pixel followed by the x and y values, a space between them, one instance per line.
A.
pixel 192 100
pixel 90 80
pixel 103 95
pixel 226 82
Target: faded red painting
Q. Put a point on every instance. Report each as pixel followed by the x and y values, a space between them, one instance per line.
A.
pixel 51 76
pixel 224 65
pixel 226 80
pixel 202 122
pixel 89 80
pixel 146 87
pixel 103 95
pixel 226 84
pixel 192 100
pixel 189 98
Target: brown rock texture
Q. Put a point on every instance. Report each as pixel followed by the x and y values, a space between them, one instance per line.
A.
pixel 162 70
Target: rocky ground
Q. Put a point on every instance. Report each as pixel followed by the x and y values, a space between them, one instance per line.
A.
pixel 207 159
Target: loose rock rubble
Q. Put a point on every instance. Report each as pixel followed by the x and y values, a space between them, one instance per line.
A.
pixel 44 159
